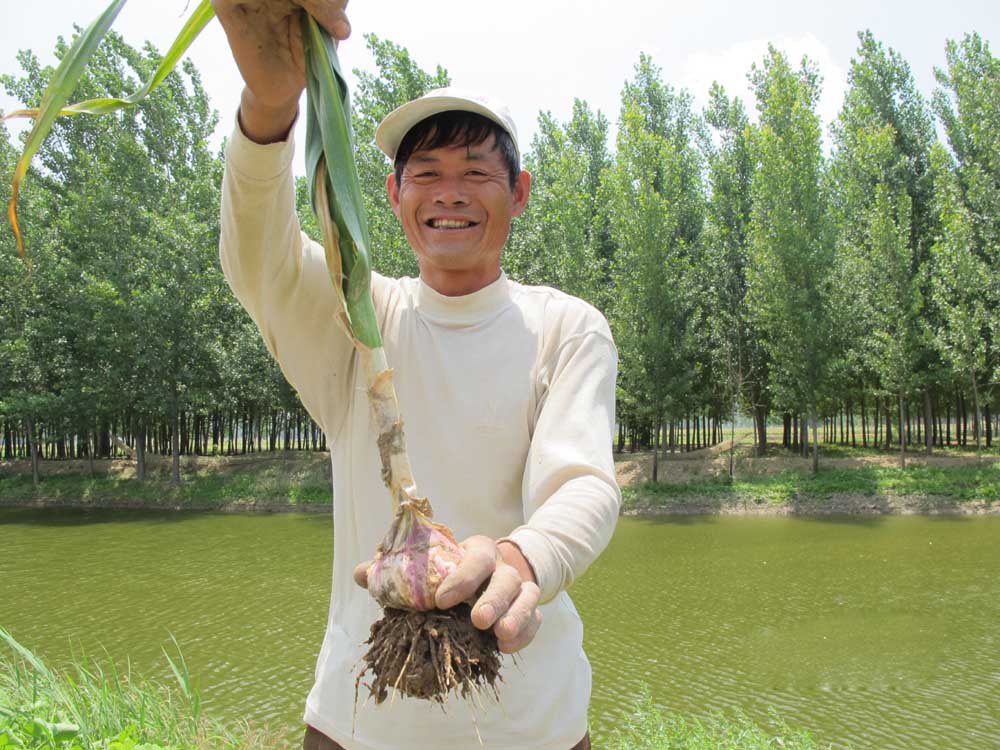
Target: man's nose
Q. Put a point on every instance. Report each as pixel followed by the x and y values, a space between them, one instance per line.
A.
pixel 450 191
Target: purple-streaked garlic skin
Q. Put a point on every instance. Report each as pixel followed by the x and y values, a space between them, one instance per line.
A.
pixel 412 561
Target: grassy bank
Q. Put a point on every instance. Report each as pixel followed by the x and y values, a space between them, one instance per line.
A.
pixel 861 488
pixel 96 708
pixel 856 482
pixel 265 481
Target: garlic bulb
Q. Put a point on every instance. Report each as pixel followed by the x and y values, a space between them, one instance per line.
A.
pixel 410 563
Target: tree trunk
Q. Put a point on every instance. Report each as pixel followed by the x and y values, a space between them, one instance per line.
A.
pixel 902 441
pixel 988 421
pixel 90 456
pixel 140 451
pixel 656 452
pixel 760 417
pixel 175 439
pixel 864 423
pixel 978 431
pixel 888 423
pixel 964 422
pixel 732 438
pixel 928 422
pixel 33 451
pixel 815 456
pixel 850 417
pixel 947 423
pixel 909 434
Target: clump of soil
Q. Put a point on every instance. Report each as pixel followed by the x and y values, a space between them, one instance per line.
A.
pixel 429 654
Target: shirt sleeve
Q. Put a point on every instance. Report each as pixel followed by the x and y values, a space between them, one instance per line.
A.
pixel 571 496
pixel 280 276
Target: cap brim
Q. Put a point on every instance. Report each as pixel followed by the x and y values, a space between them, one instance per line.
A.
pixel 400 121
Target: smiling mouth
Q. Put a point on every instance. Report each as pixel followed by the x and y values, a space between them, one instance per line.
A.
pixel 450 223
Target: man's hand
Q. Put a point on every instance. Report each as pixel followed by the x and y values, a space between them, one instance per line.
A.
pixel 266 40
pixel 509 604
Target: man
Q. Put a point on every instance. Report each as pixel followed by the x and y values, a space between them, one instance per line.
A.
pixel 507 392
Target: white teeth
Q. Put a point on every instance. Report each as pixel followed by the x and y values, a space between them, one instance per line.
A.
pixel 449 224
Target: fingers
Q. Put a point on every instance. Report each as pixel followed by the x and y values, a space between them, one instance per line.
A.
pixel 361 573
pixel 503 589
pixel 519 624
pixel 510 606
pixel 477 565
pixel 332 16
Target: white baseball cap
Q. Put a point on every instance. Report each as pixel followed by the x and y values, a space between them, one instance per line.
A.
pixel 397 124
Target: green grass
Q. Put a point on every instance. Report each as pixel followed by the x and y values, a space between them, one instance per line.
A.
pixel 959 484
pixel 298 482
pixel 93 707
pixel 647 728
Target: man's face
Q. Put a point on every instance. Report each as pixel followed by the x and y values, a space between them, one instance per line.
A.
pixel 455 204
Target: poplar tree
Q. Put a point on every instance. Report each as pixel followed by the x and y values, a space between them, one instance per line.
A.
pixel 736 341
pixel 556 241
pixel 655 212
pixel 881 201
pixel 968 103
pixel 791 253
pixel 962 282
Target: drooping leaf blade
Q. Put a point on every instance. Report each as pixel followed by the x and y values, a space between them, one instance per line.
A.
pixel 63 82
pixel 68 74
pixel 103 105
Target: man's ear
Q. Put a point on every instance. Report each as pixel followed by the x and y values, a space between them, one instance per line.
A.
pixel 392 188
pixel 522 189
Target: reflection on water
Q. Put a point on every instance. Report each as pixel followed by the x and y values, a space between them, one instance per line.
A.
pixel 881 632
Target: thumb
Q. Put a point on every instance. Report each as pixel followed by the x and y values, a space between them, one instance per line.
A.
pixel 361 573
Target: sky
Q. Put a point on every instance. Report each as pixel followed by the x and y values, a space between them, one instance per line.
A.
pixel 541 54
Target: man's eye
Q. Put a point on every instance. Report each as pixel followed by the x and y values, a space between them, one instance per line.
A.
pixel 476 173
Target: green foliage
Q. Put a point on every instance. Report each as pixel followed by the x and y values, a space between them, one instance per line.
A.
pixel 654 209
pixel 740 269
pixel 735 342
pixel 557 241
pixel 126 314
pixel 792 260
pixel 966 268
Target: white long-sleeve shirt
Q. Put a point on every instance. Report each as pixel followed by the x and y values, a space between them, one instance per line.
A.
pixel 508 400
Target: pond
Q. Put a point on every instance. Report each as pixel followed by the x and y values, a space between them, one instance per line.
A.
pixel 882 632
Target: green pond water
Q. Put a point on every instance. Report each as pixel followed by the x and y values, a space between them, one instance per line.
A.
pixel 883 633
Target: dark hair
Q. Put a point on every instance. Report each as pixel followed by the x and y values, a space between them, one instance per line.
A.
pixel 457 128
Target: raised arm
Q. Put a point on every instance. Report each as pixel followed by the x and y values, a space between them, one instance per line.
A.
pixel 277 273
